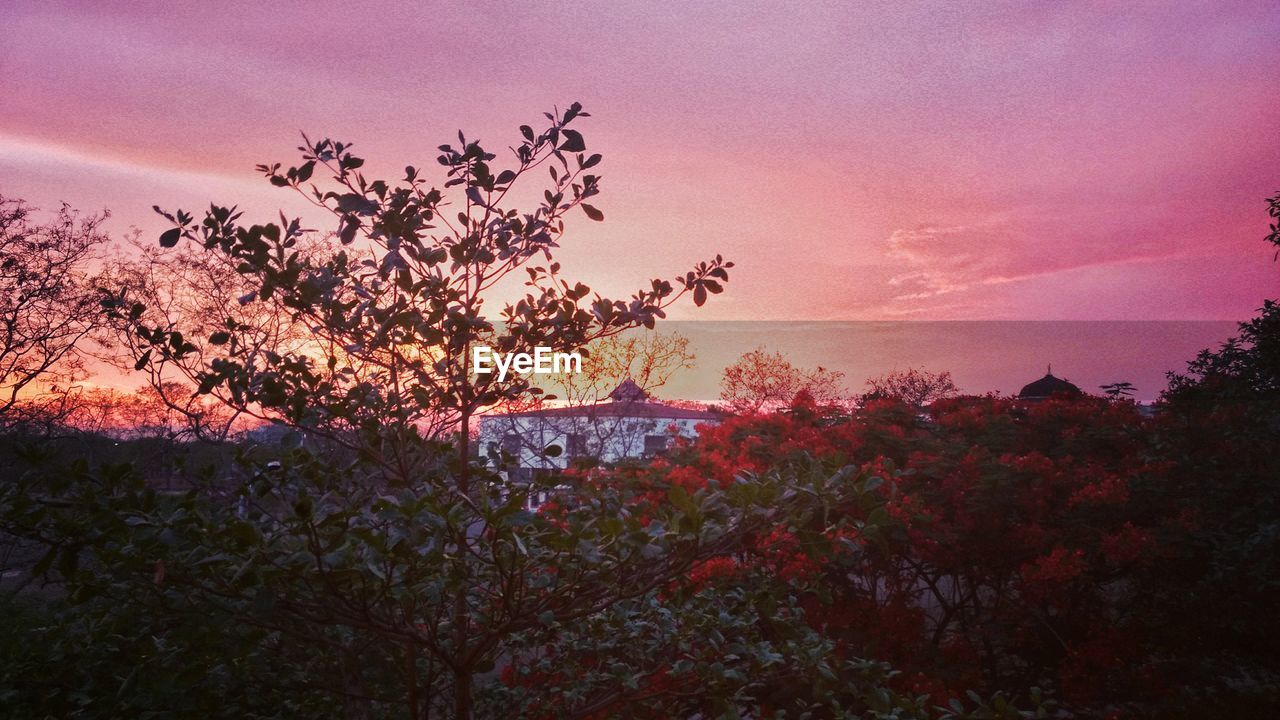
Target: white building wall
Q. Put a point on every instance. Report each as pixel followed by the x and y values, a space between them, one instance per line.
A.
pixel 608 439
pixel 605 439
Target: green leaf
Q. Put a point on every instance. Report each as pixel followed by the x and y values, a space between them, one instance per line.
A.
pixel 681 499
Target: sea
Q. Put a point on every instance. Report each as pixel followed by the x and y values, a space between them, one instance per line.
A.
pixel 982 356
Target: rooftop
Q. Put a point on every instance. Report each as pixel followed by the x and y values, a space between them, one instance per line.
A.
pixel 626 400
pixel 1048 386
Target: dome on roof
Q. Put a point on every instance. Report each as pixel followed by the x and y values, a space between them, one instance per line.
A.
pixel 628 391
pixel 1046 387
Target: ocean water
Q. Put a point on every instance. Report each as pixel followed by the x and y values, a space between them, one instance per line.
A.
pixel 982 356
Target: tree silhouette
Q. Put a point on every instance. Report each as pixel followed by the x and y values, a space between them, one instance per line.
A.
pixel 48 297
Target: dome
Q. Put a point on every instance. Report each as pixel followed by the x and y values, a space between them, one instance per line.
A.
pixel 1046 387
pixel 628 391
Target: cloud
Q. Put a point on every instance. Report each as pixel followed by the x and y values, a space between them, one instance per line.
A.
pixel 941 260
pixel 943 269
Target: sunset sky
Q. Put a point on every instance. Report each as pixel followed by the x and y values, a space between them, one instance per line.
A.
pixel 888 160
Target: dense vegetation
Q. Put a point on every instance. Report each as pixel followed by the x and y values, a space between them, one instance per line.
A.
pixel 1126 560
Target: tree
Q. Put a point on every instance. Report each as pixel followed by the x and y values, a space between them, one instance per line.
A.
pixel 390 321
pixel 1118 390
pixel 648 360
pixel 391 318
pixel 143 413
pixel 1273 209
pixel 198 290
pixel 1002 557
pixel 48 297
pixel 379 565
pixel 761 381
pixel 919 388
pixel 1218 424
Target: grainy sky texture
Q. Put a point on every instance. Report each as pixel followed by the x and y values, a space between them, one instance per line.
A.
pixel 896 160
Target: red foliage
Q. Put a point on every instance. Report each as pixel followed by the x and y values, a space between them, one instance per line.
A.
pixel 1009 525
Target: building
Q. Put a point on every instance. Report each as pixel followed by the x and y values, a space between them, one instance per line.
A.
pixel 1046 387
pixel 531 448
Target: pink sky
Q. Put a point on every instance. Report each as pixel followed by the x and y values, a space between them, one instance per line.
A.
pixel 857 160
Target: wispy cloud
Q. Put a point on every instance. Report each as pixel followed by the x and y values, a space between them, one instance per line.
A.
pixel 937 267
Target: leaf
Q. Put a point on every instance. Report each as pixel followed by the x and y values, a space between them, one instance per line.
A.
pixel 699 295
pixel 349 227
pixel 142 361
pixel 877 518
pixel 353 203
pixel 572 141
pixel 220 338
pixel 681 499
pixel 592 213
pixel 169 238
